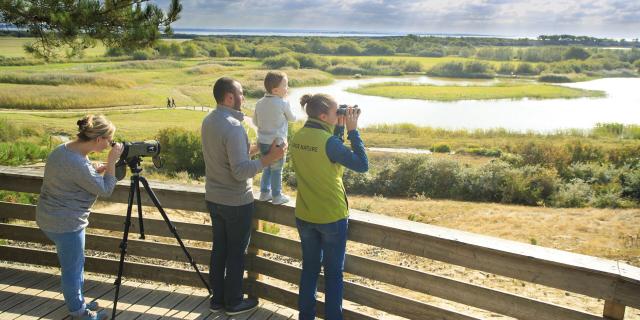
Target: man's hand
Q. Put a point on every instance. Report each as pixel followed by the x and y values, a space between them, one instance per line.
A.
pixel 275 153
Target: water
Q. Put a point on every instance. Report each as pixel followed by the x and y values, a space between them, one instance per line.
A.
pixel 622 105
pixel 320 33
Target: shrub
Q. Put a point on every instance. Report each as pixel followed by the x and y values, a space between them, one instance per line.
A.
pixel 412 66
pixel 609 198
pixel 576 53
pixel 20 152
pixel 526 69
pixel 349 49
pixel 142 54
pixel 346 70
pixel 506 68
pixel 553 78
pixel 182 151
pixel 190 50
pixel 441 148
pixel 267 51
pixel 436 178
pixel 573 194
pixel 630 181
pixel 8 131
pixel 281 61
pixel 592 173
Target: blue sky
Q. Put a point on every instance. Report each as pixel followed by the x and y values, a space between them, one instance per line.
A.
pixel 602 18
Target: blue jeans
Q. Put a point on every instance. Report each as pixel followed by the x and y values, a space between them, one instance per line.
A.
pixel 70 249
pixel 271 180
pixel 322 244
pixel 231 233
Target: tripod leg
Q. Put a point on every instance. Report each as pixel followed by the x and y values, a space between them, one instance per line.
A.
pixel 174 231
pixel 139 202
pixel 123 244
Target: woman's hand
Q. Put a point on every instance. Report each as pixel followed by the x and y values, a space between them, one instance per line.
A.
pixel 115 152
pixel 352 119
pixel 341 120
pixel 112 158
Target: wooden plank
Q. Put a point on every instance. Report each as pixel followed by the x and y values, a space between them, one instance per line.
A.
pixel 95 292
pixel 254 250
pixel 188 305
pixel 613 311
pixel 112 244
pixel 202 312
pixel 133 298
pixel 12 279
pixel 289 298
pixel 45 283
pixel 577 273
pixel 47 302
pixel 582 274
pixel 484 298
pixel 144 304
pixel 23 284
pixel 106 266
pixel 377 299
pixel 114 222
pixel 6 272
pixel 106 301
pixel 167 304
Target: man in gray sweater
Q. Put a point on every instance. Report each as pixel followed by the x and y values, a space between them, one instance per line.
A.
pixel 229 172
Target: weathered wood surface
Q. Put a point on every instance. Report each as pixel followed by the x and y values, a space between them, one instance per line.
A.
pixel 37 296
pixel 616 283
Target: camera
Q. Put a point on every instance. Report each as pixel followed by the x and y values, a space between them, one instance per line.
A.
pixel 342 109
pixel 133 151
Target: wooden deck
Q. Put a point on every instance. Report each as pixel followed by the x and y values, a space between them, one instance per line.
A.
pixel 33 293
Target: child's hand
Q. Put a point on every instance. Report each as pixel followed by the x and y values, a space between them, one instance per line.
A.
pixel 253 149
pixel 99 166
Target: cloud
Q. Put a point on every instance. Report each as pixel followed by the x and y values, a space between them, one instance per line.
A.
pixel 614 18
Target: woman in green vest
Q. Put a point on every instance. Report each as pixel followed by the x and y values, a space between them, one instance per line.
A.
pixel 319 157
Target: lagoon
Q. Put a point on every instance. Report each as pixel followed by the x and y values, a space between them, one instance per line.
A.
pixel 621 104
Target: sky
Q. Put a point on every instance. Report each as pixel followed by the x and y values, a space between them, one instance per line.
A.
pixel 599 18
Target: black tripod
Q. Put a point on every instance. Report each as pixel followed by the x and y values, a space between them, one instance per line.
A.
pixel 134 190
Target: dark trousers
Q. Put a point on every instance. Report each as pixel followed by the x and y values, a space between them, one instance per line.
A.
pixel 231 233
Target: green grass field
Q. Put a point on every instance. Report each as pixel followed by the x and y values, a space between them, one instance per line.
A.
pixel 14 47
pixel 453 93
pixel 426 62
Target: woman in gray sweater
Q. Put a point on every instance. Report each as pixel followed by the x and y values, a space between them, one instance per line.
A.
pixel 70 187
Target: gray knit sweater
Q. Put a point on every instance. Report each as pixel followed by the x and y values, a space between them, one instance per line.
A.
pixel 70 187
pixel 225 147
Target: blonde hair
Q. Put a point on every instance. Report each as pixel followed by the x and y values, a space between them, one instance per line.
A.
pixel 273 80
pixel 316 104
pixel 91 127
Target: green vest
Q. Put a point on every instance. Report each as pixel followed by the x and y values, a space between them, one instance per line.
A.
pixel 321 196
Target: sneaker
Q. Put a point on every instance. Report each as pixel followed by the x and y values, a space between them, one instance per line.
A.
pixel 215 307
pixel 92 315
pixel 280 199
pixel 265 196
pixel 93 305
pixel 247 305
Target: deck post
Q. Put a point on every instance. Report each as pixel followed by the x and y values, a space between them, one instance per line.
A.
pixel 253 251
pixel 613 311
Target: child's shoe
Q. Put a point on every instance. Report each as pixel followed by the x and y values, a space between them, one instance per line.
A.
pixel 280 199
pixel 265 196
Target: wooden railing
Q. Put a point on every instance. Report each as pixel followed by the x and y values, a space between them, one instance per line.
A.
pixel 616 284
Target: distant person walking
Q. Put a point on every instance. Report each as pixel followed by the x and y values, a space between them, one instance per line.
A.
pixel 228 194
pixel 319 158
